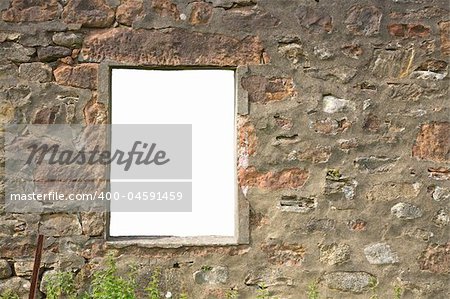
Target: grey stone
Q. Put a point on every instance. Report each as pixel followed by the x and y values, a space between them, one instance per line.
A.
pixel 15 52
pixel 334 254
pixel 441 218
pixel 440 194
pixel 380 254
pixel 215 275
pixel 354 282
pixel 404 210
pixel 39 38
pixel 375 163
pixel 19 286
pixel 323 53
pixel 269 278
pixel 52 53
pixel 68 39
pixel 321 225
pixel 5 269
pixel 35 71
pixel 428 75
pixel 332 104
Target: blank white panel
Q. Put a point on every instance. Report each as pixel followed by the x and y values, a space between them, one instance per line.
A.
pixel 205 99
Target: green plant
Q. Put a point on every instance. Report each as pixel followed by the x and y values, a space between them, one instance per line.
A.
pixel 313 292
pixel 107 284
pixel 373 283
pixel 152 288
pixel 397 292
pixel 334 174
pixel 8 294
pixel 183 296
pixel 206 268
pixel 232 294
pixel 262 292
pixel 60 284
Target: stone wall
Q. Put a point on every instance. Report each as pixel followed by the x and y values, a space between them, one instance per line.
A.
pixel 344 155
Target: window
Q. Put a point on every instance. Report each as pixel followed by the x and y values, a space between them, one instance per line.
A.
pixel 204 99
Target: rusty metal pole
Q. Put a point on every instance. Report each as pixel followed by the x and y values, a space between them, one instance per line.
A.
pixel 37 264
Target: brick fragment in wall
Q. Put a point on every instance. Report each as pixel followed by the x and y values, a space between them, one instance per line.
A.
pixel 436 258
pixel 409 30
pixel 287 178
pixel 173 46
pixel 32 11
pixel 262 89
pixel 433 142
pixel 83 75
pixel 285 254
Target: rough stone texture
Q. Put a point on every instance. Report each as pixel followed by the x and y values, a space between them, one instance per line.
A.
pixel 445 39
pixel 333 104
pixel 355 282
pixel 213 275
pixel 52 53
pixel 433 142
pixel 32 11
pixel 392 191
pixel 166 8
pixel 19 286
pixel 285 254
pixel 88 13
pixel 5 269
pixel 171 47
pixel 201 13
pixel 380 254
pixel 407 211
pixel 287 178
pixel 436 258
pixel 334 254
pixel 363 20
pixel 68 40
pixel 35 71
pixel 93 224
pixel 408 30
pixel 314 19
pixel 15 52
pixel 342 141
pixel 60 225
pixel 82 75
pixel 261 89
pixel 128 11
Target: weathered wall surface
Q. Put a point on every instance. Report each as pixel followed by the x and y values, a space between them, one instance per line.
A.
pixel 344 156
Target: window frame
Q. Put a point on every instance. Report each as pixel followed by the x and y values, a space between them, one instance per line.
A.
pixel 242 208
